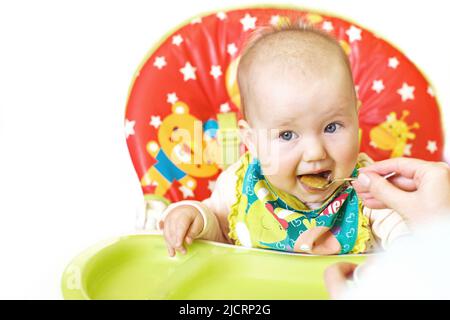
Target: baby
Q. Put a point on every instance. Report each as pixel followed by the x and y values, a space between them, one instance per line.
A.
pixel 300 127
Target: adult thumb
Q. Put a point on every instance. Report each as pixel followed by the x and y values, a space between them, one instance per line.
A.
pixel 382 190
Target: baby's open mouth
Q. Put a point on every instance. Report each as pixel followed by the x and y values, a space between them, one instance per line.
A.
pixel 317 180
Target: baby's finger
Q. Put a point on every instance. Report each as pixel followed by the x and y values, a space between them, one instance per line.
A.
pixel 181 249
pixel 170 234
pixel 174 232
pixel 169 242
pixel 173 245
pixel 171 251
pixel 174 240
pixel 195 228
pixel 181 232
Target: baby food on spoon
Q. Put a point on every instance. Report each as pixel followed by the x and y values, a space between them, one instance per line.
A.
pixel 319 180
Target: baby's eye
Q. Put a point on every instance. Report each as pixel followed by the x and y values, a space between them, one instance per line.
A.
pixel 287 135
pixel 332 127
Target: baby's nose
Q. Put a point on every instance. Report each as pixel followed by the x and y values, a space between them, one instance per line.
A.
pixel 314 151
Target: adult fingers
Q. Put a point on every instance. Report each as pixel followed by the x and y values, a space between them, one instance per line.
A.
pixel 373 203
pixel 369 201
pixel 383 191
pixel 336 277
pixel 403 183
pixel 405 167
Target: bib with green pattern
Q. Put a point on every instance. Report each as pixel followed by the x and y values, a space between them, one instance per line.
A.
pixel 267 217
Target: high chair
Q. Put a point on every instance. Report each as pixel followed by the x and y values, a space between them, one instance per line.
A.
pixel 187 84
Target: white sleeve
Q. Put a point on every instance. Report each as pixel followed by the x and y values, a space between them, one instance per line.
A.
pixel 387 225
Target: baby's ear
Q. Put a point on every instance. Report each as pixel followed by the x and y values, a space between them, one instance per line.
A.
pixel 247 136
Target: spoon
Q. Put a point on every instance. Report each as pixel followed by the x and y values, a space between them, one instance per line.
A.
pixel 387 176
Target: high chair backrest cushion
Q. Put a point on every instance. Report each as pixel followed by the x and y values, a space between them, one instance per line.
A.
pixel 184 102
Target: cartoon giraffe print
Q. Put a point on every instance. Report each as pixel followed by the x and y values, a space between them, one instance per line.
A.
pixel 393 134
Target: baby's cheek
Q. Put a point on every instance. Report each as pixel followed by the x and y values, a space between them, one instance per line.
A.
pixel 345 154
pixel 270 157
pixel 280 164
pixel 273 165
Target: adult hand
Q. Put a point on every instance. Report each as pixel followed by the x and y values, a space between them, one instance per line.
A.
pixel 337 276
pixel 419 190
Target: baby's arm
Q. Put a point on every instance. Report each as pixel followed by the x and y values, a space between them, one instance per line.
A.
pixel 387 225
pixel 186 220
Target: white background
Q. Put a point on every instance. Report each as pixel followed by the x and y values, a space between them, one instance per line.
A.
pixel 66 180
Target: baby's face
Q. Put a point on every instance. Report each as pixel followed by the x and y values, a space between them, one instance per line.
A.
pixel 304 124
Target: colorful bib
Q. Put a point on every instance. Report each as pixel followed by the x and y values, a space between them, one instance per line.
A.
pixel 266 217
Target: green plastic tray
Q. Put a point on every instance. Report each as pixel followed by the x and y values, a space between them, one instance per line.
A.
pixel 138 267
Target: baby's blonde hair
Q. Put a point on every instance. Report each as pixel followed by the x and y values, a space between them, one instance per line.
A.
pixel 264 33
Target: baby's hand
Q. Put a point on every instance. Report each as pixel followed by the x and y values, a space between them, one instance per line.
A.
pixel 182 224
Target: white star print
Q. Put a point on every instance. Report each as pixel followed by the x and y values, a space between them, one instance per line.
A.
pixel 186 192
pixel 431 146
pixel 407 149
pixel 188 72
pixel 216 71
pixel 232 49
pixel 177 40
pixel 353 33
pixel 211 185
pixel 406 91
pixel 243 234
pixel 378 86
pixel 224 107
pixel 153 147
pixel 391 117
pixel 248 22
pixel 156 121
pixel 327 26
pixel 129 127
pixel 160 62
pixel 221 15
pixel 274 20
pixel 179 110
pixel 190 184
pixel 196 20
pixel 430 91
pixel 172 98
pixel 393 63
